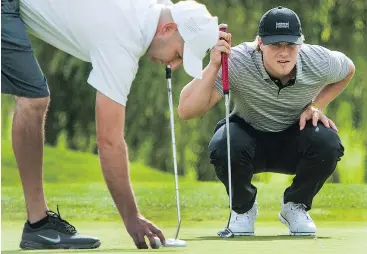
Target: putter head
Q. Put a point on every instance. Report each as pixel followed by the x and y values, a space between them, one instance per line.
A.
pixel 175 243
pixel 225 233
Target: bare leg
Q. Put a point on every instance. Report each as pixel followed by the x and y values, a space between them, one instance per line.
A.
pixel 28 140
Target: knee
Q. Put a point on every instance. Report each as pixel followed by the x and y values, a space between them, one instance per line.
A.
pixel 325 142
pixel 239 150
pixel 217 150
pixel 31 107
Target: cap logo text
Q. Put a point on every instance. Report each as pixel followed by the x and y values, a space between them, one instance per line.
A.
pixel 281 25
pixel 192 26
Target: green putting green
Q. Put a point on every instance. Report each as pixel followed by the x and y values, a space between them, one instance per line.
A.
pixel 271 237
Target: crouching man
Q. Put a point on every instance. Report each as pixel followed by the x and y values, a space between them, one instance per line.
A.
pixel 279 87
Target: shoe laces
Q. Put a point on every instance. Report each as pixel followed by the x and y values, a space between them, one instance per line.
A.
pixel 241 218
pixel 301 208
pixel 60 222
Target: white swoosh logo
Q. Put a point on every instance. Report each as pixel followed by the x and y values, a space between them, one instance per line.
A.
pixel 57 240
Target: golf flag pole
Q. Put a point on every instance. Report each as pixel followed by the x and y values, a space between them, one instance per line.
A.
pixel 226 88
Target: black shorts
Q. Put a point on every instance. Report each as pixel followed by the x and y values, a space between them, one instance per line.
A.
pixel 20 73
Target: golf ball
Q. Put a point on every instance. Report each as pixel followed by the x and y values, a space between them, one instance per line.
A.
pixel 157 242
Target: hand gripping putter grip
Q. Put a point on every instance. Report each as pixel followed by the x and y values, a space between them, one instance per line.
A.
pixel 226 232
pixel 174 242
pixel 225 82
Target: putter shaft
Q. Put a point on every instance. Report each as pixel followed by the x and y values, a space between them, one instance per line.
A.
pixel 228 157
pixel 172 120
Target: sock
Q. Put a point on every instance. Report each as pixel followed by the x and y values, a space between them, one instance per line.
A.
pixel 39 223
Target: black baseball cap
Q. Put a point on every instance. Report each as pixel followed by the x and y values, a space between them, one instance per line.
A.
pixel 280 24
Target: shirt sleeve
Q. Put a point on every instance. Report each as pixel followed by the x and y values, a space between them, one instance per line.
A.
pixel 114 70
pixel 338 66
pixel 232 74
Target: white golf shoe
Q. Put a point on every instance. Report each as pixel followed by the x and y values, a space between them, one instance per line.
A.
pixel 243 224
pixel 297 219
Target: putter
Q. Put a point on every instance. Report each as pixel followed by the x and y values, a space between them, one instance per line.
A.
pixel 226 232
pixel 174 242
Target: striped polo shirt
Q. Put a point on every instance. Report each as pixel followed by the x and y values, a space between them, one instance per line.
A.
pixel 259 100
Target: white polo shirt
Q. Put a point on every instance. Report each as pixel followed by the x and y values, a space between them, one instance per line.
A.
pixel 111 34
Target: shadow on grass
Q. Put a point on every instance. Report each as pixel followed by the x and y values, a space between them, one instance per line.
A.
pixel 258 238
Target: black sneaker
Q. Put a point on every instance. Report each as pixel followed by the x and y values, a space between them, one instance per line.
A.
pixel 56 234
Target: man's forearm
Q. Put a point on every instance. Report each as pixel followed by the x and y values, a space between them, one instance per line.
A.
pixel 331 91
pixel 195 96
pixel 115 167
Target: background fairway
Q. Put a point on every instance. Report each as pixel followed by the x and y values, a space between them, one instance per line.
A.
pixel 74 182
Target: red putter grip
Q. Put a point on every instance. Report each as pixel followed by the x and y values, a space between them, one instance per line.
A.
pixel 225 81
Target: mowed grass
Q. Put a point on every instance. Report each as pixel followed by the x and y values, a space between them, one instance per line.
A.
pixel 75 183
pixel 342 237
pixel 199 202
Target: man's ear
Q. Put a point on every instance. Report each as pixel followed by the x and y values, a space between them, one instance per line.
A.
pixel 168 28
pixel 261 45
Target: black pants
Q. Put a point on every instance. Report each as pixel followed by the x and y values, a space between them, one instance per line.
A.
pixel 310 154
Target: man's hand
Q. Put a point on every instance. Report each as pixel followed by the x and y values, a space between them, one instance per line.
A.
pixel 112 151
pixel 138 227
pixel 316 115
pixel 223 46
